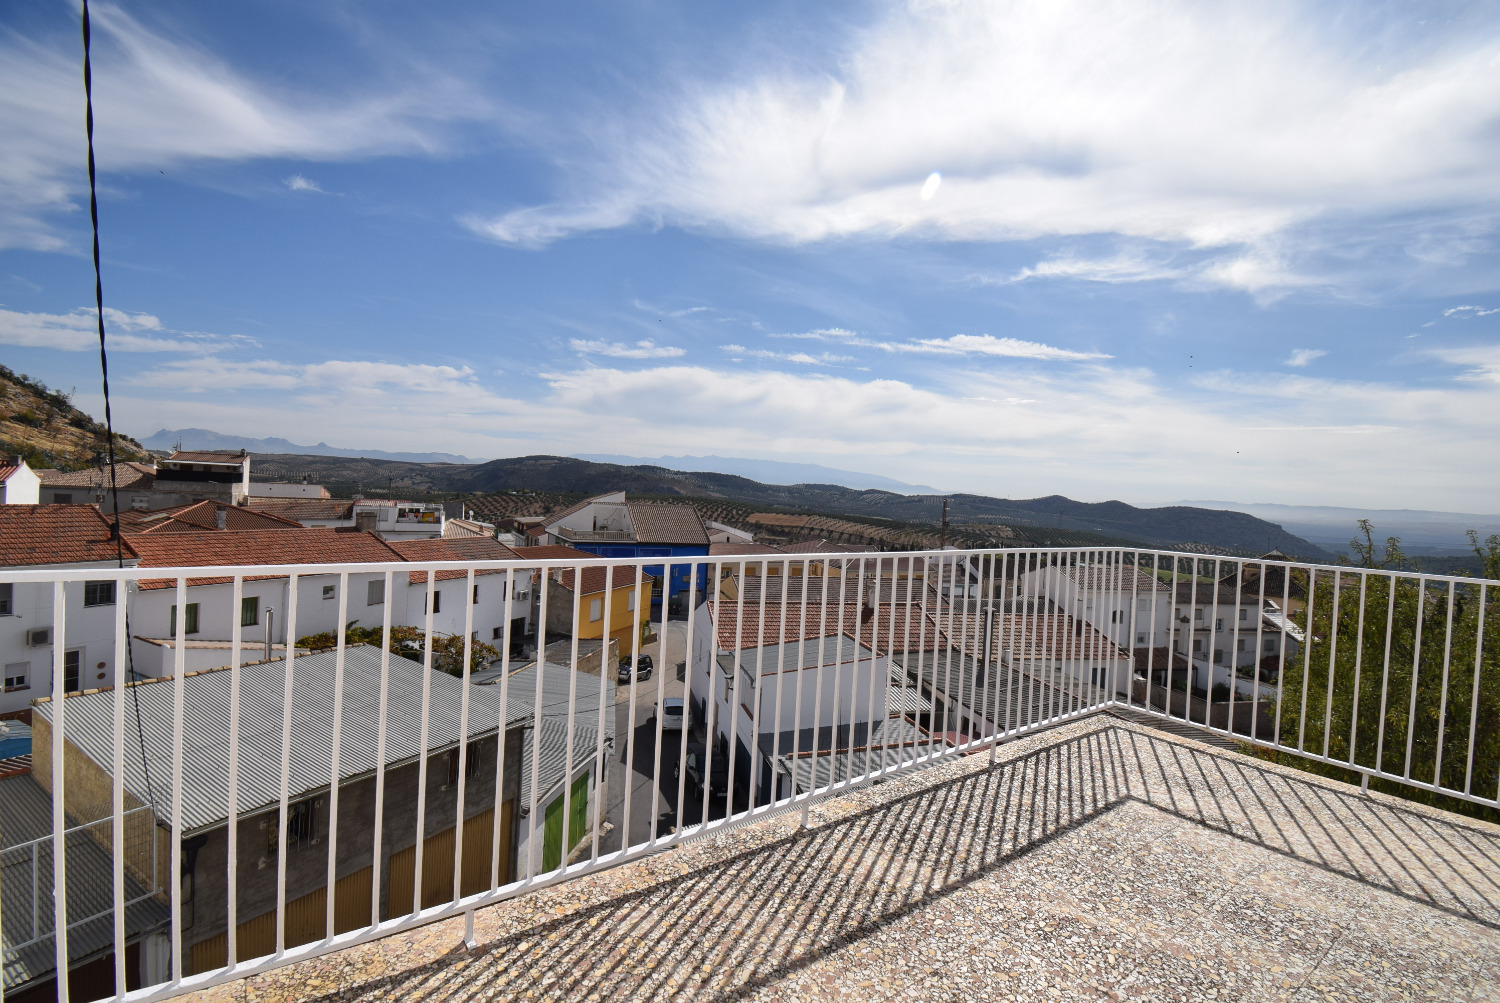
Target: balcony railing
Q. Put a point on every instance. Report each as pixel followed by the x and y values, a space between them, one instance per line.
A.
pixel 224 820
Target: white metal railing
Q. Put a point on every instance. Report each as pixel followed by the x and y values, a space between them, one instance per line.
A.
pixel 359 794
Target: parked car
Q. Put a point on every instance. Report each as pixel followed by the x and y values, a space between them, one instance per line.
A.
pixel 642 670
pixel 671 714
pixel 694 761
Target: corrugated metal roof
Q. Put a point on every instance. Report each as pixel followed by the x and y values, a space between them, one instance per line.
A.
pixel 90 717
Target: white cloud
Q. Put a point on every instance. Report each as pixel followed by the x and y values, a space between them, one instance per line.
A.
pixel 1482 362
pixel 161 101
pixel 78 332
pixel 799 358
pixel 1300 357
pixel 1205 127
pixel 1466 312
pixel 646 349
pixel 985 344
pixel 332 378
pixel 298 183
pixel 1120 268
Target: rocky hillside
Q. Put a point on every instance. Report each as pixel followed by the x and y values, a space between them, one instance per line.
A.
pixel 43 426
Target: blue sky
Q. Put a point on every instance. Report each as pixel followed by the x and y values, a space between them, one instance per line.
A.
pixel 1110 250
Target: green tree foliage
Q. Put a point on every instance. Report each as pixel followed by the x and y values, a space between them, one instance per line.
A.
pixel 447 649
pixel 1399 674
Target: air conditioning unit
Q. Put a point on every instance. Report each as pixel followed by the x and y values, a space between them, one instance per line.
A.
pixel 36 637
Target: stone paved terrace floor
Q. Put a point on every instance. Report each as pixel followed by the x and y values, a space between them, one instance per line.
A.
pixel 1101 860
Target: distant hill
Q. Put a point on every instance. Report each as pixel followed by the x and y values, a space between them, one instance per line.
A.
pixel 202 438
pixel 766 471
pixel 1062 518
pixel 1422 533
pixel 43 426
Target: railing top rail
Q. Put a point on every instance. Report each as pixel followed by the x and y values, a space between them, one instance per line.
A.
pixel 137 573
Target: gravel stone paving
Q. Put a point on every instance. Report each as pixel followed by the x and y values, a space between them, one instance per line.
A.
pixel 1101 860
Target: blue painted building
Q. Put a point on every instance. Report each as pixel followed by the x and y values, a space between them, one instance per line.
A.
pixel 611 526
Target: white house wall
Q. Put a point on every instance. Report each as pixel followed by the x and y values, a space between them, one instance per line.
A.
pixel 90 631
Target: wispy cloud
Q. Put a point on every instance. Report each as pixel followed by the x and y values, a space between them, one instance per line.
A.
pixel 298 183
pixel 958 344
pixel 1482 362
pixel 124 332
pixel 1300 357
pixel 799 358
pixel 1221 131
pixel 645 349
pixel 1467 312
pixel 169 101
pixel 333 377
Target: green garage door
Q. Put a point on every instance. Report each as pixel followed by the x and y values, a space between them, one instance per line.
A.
pixel 552 829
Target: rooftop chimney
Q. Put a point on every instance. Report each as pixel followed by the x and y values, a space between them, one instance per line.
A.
pixel 221 518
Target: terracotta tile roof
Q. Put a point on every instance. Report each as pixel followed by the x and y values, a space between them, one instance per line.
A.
pixel 777 519
pixel 752 625
pixel 470 548
pixel 668 523
pixel 7 470
pixel 1029 636
pixel 203 515
pixel 300 509
pixel 136 476
pixel 551 552
pixel 738 549
pixel 1093 578
pixel 593 578
pixel 459 528
pixel 264 546
pixel 208 456
pixel 56 534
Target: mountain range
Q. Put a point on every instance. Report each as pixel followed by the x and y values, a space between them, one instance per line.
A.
pixel 202 438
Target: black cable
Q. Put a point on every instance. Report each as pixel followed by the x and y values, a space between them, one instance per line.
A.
pixel 109 424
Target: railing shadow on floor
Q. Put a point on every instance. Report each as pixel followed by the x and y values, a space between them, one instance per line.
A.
pixel 762 915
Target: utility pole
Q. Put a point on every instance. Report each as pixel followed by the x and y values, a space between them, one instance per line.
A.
pixel 944 538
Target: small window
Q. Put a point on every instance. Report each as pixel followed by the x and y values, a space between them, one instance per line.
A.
pixel 494 633
pixel 375 592
pixel 139 503
pixel 70 670
pixel 1271 644
pixel 188 627
pixel 596 609
pixel 476 592
pixel 17 676
pixel 62 498
pixel 328 591
pixel 98 593
pixel 630 601
pixel 7 593
pixel 437 602
pixel 249 611
pixel 1140 639
pixel 1197 645
pixel 1198 615
pixel 1244 615
pixel 300 819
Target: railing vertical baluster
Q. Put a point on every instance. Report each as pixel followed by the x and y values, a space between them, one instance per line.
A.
pixel 601 767
pixel 1391 581
pixel 1233 646
pixel 786 582
pixel 424 745
pixel 1416 671
pixel 1359 650
pixel 232 807
pixel 376 862
pixel 812 777
pixel 579 613
pixel 1312 595
pixel 334 761
pixel 1474 697
pixel 290 621
pixel 1174 639
pixel 1260 630
pixel 736 697
pixel 470 595
pixel 710 694
pixel 1437 767
pixel 1333 648
pixel 59 794
pixel 117 781
pixel 1286 621
pixel 838 670
pixel 179 724
pixel 642 604
pixel 687 699
pixel 661 696
pixel 989 714
pixel 502 731
pixel 532 792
